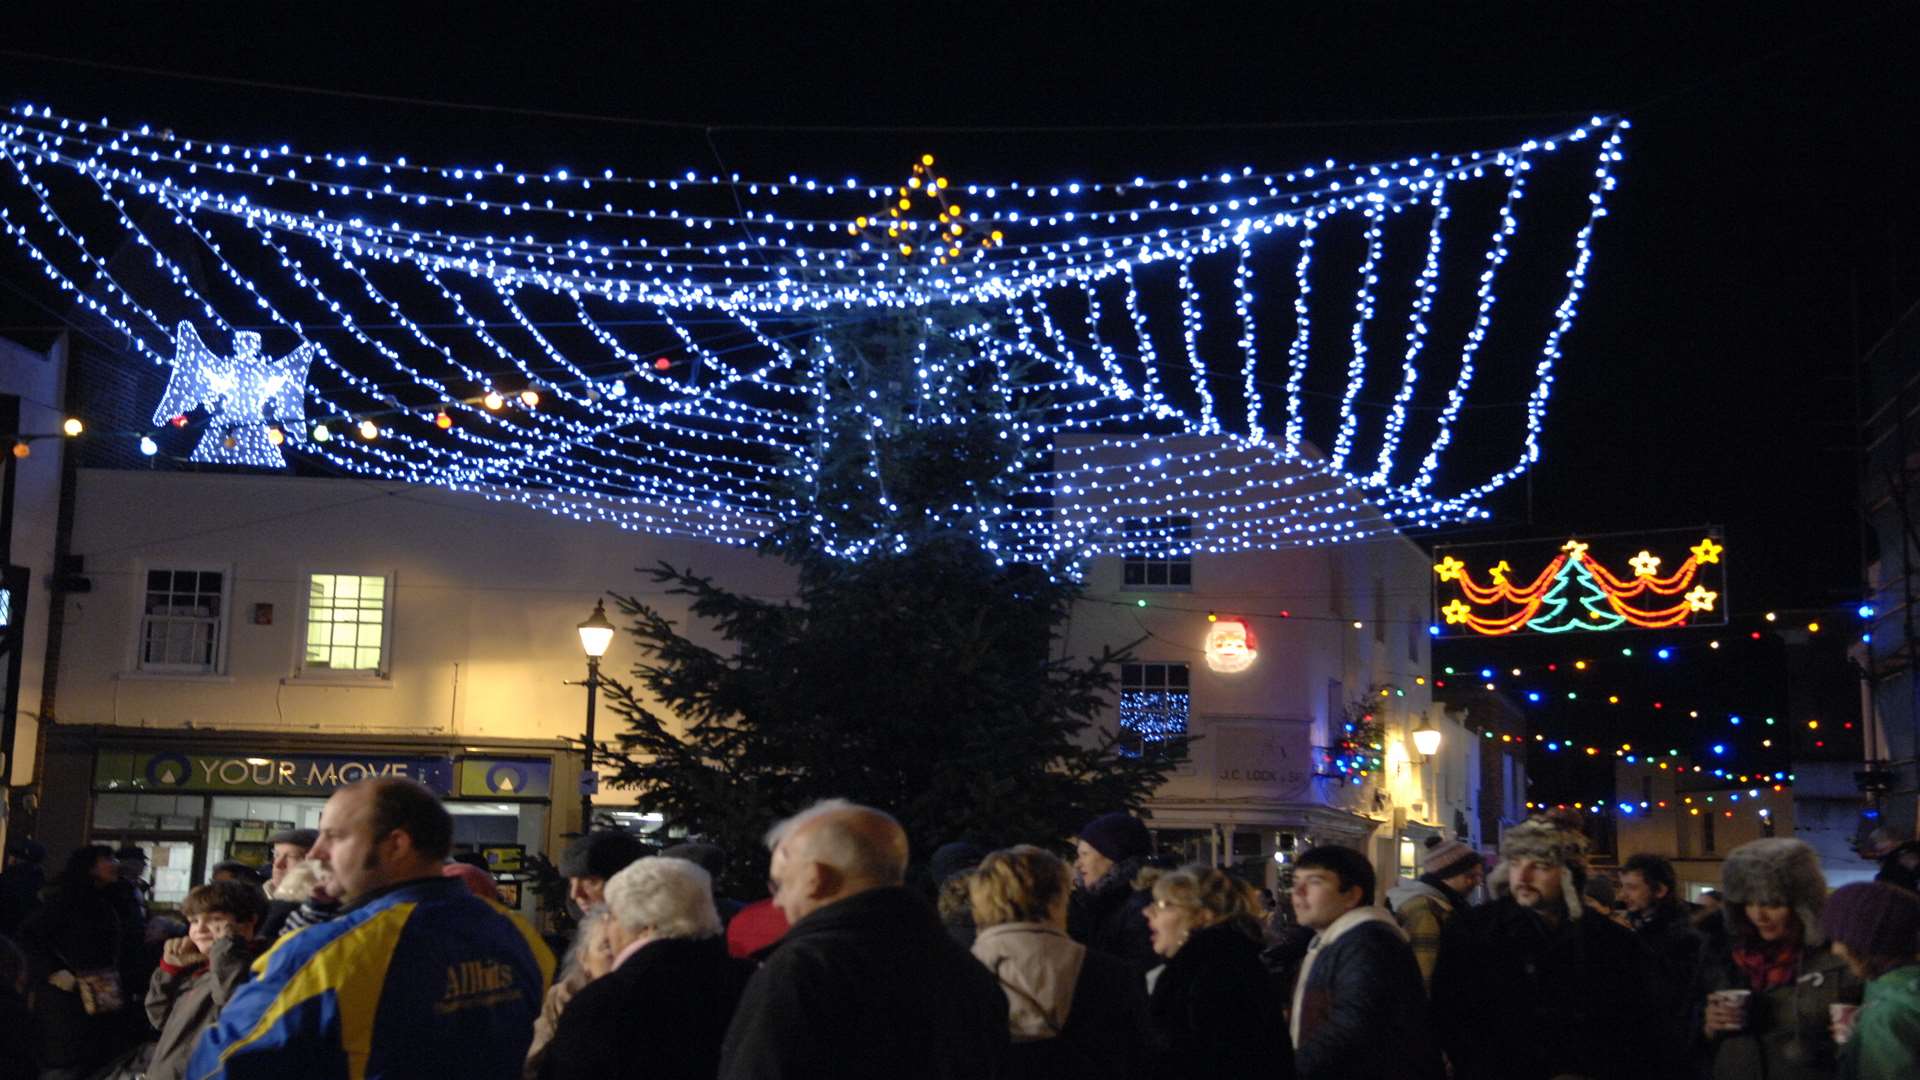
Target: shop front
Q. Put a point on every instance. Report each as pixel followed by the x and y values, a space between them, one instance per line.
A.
pixel 193 803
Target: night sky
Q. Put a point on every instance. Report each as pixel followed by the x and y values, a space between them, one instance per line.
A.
pixel 1764 236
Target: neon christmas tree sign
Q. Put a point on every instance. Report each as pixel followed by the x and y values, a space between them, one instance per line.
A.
pixel 1575 591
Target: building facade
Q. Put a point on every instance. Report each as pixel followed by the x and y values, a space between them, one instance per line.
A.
pixel 1887 657
pixel 1339 635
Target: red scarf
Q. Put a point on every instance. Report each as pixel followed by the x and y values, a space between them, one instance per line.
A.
pixel 1767 966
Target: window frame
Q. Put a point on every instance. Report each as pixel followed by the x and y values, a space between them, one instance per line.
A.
pixel 137 664
pixel 1134 742
pixel 376 676
pixel 1147 563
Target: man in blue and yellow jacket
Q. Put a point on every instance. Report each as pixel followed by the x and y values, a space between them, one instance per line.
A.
pixel 417 977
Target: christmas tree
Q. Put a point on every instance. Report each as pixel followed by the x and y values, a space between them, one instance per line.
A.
pixel 1594 613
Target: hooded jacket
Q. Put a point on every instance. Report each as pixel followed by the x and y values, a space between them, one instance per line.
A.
pixel 1359 1009
pixel 1071 1012
pixel 1786 1037
pixel 1571 998
pixel 868 986
pixel 183 1002
pixel 419 979
pixel 1423 906
pixel 1886 1032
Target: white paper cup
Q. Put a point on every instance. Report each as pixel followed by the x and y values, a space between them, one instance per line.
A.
pixel 1842 1016
pixel 1736 999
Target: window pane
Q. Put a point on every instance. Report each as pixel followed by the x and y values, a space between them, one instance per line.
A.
pixel 1156 573
pixel 1180 573
pixel 1177 675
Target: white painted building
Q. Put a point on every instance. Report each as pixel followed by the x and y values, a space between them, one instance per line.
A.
pixel 1334 625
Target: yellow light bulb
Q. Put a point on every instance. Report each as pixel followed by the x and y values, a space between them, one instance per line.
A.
pixel 914 183
pixel 860 221
pixel 21 450
pixel 493 400
pixel 956 228
pixel 906 249
pixel 953 251
pixel 73 426
pixel 926 159
pixel 442 421
pixel 954 209
pixel 276 436
pixel 529 398
pixel 369 430
pixel 906 204
pixel 940 182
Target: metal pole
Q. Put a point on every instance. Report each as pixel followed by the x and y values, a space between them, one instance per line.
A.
pixel 587 779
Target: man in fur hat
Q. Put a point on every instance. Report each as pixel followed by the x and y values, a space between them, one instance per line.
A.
pixel 1569 991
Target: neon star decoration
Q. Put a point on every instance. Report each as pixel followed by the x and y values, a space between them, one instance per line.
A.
pixel 1546 603
pixel 246 393
pixel 663 346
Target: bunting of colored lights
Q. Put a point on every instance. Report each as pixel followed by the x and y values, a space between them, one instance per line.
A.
pixel 1607 601
pixel 656 352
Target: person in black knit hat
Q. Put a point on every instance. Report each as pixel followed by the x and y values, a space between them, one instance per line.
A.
pixel 1108 912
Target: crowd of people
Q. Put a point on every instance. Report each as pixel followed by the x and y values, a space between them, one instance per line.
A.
pixel 370 952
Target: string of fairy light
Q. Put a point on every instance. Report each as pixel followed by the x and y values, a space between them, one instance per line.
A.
pixel 653 351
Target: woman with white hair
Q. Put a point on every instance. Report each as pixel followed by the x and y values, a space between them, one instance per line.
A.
pixel 672 988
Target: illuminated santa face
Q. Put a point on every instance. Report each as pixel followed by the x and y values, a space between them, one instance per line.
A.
pixel 1230 646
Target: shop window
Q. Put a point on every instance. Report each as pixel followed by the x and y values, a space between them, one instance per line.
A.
pixel 346 624
pixel 1152 565
pixel 182 619
pixel 1154 702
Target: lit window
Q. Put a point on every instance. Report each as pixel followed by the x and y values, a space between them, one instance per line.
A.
pixel 1159 553
pixel 346 622
pixel 1154 702
pixel 1409 858
pixel 181 621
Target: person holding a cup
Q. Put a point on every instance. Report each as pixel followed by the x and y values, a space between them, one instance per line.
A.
pixel 1876 930
pixel 1767 975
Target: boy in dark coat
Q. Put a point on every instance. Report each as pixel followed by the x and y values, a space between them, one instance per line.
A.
pixel 1360 1008
pixel 198 973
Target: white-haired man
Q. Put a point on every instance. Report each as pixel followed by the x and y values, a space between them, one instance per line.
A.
pixel 1572 990
pixel 672 988
pixel 867 983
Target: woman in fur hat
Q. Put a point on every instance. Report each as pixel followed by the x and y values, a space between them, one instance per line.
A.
pixel 1770 943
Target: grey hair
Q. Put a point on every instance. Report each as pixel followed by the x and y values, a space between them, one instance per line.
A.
pixel 673 897
pixel 839 842
pixel 582 935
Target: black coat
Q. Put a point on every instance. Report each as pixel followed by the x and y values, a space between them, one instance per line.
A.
pixel 1111 917
pixel 661 1014
pixel 1675 945
pixel 1214 1013
pixel 870 986
pixel 1516 1000
pixel 85 928
pixel 1105 1036
pixel 1364 1011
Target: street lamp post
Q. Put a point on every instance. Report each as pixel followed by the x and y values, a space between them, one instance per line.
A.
pixel 595 635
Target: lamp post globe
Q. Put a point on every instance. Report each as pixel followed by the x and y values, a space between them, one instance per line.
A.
pixel 1426 738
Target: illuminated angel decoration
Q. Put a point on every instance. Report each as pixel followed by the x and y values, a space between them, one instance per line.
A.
pixel 252 398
